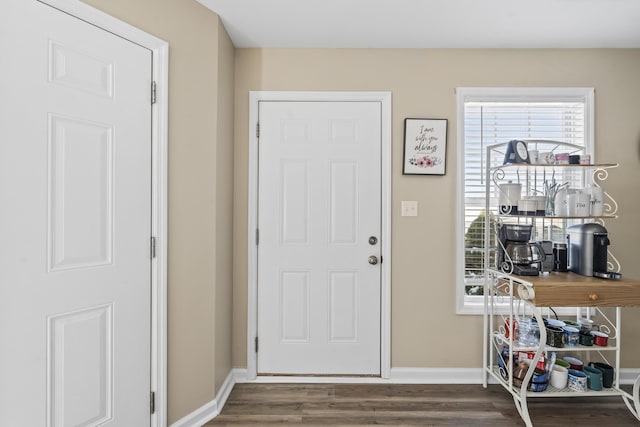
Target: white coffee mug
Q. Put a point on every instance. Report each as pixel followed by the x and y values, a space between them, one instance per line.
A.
pixel 508 196
pixel 559 375
pixel 539 201
pixel 579 204
pixel 562 201
pixel 527 206
pixel 597 201
pixel 547 157
pixel 534 156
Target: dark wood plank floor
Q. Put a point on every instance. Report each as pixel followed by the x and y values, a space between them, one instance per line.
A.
pixel 409 405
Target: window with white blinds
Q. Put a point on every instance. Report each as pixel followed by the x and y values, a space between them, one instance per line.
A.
pixel 505 115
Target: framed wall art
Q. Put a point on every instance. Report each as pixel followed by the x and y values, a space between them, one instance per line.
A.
pixel 425 146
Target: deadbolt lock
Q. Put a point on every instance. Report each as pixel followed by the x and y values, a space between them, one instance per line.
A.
pixel 373 240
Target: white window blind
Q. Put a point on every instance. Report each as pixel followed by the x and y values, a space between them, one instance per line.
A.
pixel 489 123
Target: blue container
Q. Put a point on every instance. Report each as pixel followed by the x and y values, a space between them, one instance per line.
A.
pixel 539 380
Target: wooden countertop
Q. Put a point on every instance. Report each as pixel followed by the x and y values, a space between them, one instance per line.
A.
pixel 574 290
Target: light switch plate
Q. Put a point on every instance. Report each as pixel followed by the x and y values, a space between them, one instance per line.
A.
pixel 409 208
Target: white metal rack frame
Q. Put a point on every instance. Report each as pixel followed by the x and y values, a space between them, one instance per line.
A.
pixel 591 174
pixel 507 297
pixel 518 295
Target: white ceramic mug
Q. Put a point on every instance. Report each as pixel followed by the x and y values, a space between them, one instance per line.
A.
pixel 534 156
pixel 547 157
pixel 597 201
pixel 559 376
pixel 527 206
pixel 539 200
pixel 508 196
pixel 562 201
pixel 579 204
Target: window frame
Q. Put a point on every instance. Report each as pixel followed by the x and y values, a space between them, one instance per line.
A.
pixel 475 305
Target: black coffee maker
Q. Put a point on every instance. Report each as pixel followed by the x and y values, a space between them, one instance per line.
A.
pixel 516 254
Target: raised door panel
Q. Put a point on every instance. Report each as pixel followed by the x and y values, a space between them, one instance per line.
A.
pixel 80 367
pixel 294 306
pixel 343 307
pixel 84 71
pixel 294 202
pixel 343 203
pixel 80 193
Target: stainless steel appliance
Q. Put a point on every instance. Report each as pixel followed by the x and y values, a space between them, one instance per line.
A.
pixel 587 246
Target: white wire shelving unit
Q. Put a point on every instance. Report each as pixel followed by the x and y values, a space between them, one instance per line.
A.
pixel 508 297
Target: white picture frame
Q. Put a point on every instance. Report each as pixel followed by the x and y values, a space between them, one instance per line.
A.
pixel 425 146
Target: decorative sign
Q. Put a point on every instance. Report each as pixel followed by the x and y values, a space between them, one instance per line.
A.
pixel 425 146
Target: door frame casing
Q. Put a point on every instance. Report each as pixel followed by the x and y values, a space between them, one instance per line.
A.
pixel 255 97
pixel 159 185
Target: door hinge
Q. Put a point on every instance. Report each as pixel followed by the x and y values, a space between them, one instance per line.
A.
pixel 152 402
pixel 257 236
pixel 153 92
pixel 153 247
pixel 258 130
pixel 256 344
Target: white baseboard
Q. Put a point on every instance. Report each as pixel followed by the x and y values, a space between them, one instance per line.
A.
pixel 210 410
pixel 629 375
pixel 436 375
pixel 397 376
pixel 241 375
pixel 225 390
pixel 405 376
pixel 200 416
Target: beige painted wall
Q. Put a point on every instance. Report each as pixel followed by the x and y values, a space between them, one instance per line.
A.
pixel 224 208
pixel 200 188
pixel 426 332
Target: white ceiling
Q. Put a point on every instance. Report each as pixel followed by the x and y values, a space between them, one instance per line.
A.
pixel 430 23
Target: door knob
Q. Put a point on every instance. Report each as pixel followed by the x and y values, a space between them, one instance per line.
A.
pixel 373 260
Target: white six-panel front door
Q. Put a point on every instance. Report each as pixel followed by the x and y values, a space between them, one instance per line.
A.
pixel 75 167
pixel 319 225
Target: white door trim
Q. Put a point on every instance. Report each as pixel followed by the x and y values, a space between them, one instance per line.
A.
pixel 385 244
pixel 159 186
